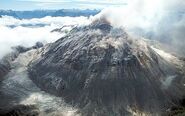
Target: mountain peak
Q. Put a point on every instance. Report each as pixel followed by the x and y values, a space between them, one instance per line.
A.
pixel 102 24
pixel 99 66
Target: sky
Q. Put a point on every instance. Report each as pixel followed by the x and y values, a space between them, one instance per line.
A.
pixel 59 4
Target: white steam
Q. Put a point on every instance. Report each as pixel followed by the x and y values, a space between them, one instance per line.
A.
pixel 142 13
pixel 162 20
pixel 168 80
pixel 138 13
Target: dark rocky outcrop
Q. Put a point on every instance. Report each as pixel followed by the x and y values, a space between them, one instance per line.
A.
pixel 5 65
pixel 22 49
pixel 176 110
pixel 105 72
pixel 3 70
pixel 20 110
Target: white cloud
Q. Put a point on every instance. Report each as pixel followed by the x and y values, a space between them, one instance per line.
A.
pixel 58 21
pixel 28 36
pixel 148 16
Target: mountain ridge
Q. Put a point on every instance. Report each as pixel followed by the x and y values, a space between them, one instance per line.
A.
pixel 44 13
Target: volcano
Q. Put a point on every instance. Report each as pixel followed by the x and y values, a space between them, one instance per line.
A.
pixel 104 71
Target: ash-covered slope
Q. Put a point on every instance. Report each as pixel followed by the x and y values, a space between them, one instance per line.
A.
pixel 105 72
pixel 3 70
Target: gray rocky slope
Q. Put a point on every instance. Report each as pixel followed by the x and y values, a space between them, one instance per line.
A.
pixel 105 72
pixel 20 96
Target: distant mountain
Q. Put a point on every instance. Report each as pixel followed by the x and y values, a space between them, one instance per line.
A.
pixel 43 13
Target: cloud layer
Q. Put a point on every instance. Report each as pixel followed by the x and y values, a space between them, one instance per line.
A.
pixel 28 36
pixel 160 20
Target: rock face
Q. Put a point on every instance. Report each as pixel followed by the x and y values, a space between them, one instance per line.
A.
pixel 20 110
pixel 5 62
pixel 3 70
pixel 105 72
pixel 5 66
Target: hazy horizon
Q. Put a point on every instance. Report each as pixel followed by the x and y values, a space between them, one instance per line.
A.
pixel 50 9
pixel 24 5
